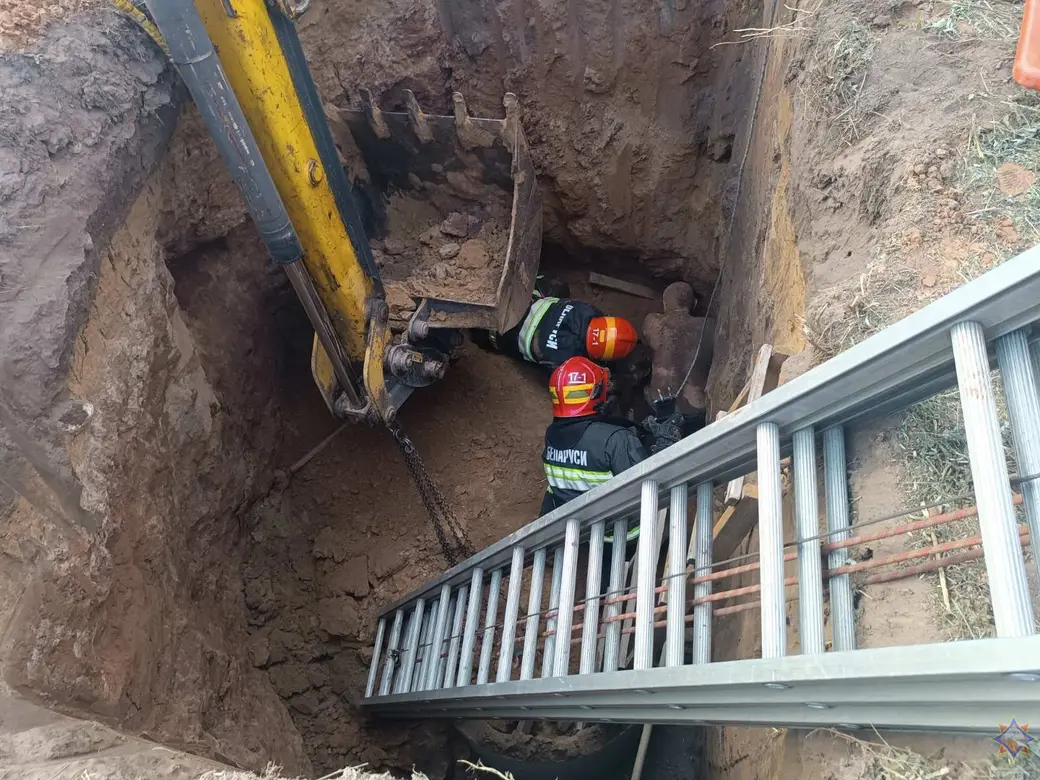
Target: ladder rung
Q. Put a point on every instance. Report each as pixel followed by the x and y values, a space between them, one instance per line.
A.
pixel 534 606
pixel 422 666
pixel 835 477
pixel 675 632
pixel 469 632
pixel 647 576
pixel 391 653
pixel 1005 567
pixel 488 640
pixel 612 639
pixel 1018 372
pixel 411 646
pixel 565 615
pixel 373 665
pixel 810 574
pixel 505 655
pixel 593 580
pixel 549 649
pixel 433 674
pixel 461 597
pixel 702 565
pixel 771 542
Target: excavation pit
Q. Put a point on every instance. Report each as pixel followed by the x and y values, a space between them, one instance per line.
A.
pixel 167 572
pixel 190 585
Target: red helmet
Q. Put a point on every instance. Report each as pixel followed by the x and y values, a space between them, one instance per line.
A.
pixel 578 387
pixel 610 338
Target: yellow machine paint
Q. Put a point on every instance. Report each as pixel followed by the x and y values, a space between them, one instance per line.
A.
pixel 248 48
pixel 324 374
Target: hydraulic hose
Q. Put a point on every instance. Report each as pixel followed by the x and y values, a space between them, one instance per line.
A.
pixel 192 53
pixel 143 22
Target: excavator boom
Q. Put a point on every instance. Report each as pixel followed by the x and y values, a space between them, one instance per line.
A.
pixel 244 66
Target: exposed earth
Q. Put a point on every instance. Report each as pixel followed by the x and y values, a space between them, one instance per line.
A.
pixel 163 581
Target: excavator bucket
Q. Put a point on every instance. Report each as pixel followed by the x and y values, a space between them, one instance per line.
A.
pixel 453 208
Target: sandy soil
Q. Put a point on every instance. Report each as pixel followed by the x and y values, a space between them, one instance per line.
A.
pixel 21 21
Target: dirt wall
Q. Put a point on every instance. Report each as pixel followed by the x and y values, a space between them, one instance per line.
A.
pixel 122 593
pixel 870 190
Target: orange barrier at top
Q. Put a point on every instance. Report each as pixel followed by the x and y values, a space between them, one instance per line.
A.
pixel 1027 58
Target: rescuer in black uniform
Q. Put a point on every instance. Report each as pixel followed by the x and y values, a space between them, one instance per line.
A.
pixel 555 329
pixel 583 447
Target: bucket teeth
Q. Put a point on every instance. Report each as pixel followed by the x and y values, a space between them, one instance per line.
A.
pixel 375 116
pixel 469 134
pixel 417 117
pixel 509 134
pixel 461 112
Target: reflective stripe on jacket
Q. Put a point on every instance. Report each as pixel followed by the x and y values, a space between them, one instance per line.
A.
pixel 552 330
pixel 585 452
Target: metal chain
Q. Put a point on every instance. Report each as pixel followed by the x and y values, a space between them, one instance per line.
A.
pixel 437 507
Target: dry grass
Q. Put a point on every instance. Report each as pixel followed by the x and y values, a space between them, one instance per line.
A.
pixel 934 449
pixel 882 295
pixel 976 20
pixel 1013 139
pixel 932 439
pixel 931 436
pixel 480 768
pixel 881 761
pixel 838 72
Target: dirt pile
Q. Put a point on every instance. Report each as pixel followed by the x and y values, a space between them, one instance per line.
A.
pixel 427 255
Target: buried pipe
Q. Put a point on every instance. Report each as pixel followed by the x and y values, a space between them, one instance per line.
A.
pixel 923 552
pixel 910 571
pixel 890 576
pixel 852 541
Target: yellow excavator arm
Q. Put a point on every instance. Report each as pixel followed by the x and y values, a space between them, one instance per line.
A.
pixel 244 67
pixel 242 63
pixel 258 58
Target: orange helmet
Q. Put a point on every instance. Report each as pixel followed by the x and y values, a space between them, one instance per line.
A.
pixel 610 338
pixel 578 387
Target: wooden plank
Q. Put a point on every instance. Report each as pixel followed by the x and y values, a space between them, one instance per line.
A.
pixel 741 397
pixel 765 376
pixel 734 525
pixel 632 288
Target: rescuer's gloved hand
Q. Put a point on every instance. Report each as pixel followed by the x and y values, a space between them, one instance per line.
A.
pixel 665 432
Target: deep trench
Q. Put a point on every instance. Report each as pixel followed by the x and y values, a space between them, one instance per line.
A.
pixel 349 532
pixel 633 123
pixel 159 573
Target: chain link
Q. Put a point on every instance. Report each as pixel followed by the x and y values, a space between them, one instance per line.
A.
pixel 442 516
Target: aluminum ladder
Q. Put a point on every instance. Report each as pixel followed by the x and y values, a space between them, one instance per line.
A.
pixel 445 650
